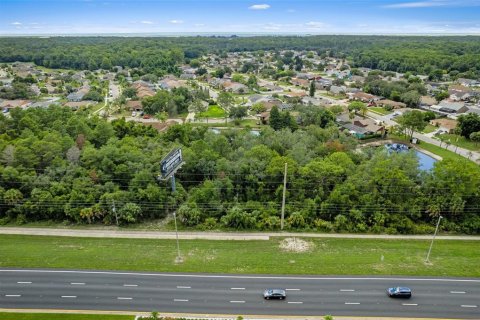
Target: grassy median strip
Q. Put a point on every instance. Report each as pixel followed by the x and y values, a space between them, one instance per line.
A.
pixel 60 316
pixel 325 256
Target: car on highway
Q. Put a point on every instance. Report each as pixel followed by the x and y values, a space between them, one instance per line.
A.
pixel 399 292
pixel 274 294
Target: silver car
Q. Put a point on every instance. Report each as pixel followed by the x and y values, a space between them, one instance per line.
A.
pixel 274 294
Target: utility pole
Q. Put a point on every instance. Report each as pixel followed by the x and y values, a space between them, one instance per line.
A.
pixel 434 235
pixel 283 198
pixel 175 219
pixel 115 211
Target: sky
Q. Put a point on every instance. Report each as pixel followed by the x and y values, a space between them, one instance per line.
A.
pixel 42 17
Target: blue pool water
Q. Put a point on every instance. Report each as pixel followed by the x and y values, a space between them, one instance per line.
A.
pixel 425 162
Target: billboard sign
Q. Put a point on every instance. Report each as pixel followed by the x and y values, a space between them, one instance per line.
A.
pixel 171 163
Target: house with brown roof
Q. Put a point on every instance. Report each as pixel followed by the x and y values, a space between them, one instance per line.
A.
pixel 11 104
pixel 304 83
pixel 390 103
pixel 134 105
pixel 427 101
pixel 364 97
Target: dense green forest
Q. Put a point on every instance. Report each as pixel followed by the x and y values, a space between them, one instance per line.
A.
pixel 64 166
pixel 455 55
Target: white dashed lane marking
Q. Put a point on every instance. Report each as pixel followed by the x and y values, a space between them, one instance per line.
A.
pixel 347 290
pixel 295 302
pixel 410 304
pixel 72 297
pixel 237 288
pixel 183 287
pixel 124 298
pixel 292 289
pixel 77 283
pixel 468 306
pixel 237 301
pixel 458 292
pixel 24 282
pixel 352 302
pixel 130 285
pixel 13 295
pixel 180 300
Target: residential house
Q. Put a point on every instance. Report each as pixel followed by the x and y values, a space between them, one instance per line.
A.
pixel 452 107
pixel 143 88
pixel 338 90
pixel 323 84
pixel 390 103
pixel 427 101
pixel 468 82
pixel 360 127
pixel 235 87
pixel 78 95
pixel 313 101
pixel 364 97
pixel 300 82
pixel 134 105
pixel 11 104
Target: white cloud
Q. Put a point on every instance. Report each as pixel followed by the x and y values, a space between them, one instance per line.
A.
pixel 199 24
pixel 433 3
pixel 146 22
pixel 176 21
pixel 16 23
pixel 315 24
pixel 259 7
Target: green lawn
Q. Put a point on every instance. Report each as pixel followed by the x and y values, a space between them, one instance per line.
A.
pixel 328 256
pixel 60 316
pixel 379 110
pixel 460 141
pixel 213 111
pixel 429 128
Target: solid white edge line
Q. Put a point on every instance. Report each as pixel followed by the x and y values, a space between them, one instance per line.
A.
pixel 237 288
pixel 69 296
pixel 242 277
pixel 409 304
pixel 13 295
pixel 347 290
pixel 352 302
pixel 183 287
pixel 24 282
pixel 180 300
pixel 237 301
pixel 468 306
pixel 77 283
pixel 124 298
pixel 457 292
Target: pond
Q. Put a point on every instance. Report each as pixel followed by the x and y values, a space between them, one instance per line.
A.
pixel 425 162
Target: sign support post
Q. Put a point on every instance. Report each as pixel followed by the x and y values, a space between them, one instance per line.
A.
pixel 168 166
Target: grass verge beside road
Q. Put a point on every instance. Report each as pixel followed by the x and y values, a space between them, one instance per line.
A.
pixel 60 316
pixel 326 256
pixel 380 110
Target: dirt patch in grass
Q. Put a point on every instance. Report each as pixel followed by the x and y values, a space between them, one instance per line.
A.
pixel 296 245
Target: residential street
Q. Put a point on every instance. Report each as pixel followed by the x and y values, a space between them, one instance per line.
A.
pixel 473 155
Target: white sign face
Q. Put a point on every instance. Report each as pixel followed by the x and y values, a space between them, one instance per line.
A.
pixel 171 162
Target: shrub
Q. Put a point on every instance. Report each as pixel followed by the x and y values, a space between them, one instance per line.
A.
pixel 21 219
pixel 322 225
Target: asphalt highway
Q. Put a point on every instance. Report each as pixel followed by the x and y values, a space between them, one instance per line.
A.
pixel 210 294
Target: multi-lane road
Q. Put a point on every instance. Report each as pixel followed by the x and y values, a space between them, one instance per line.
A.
pixel 237 294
